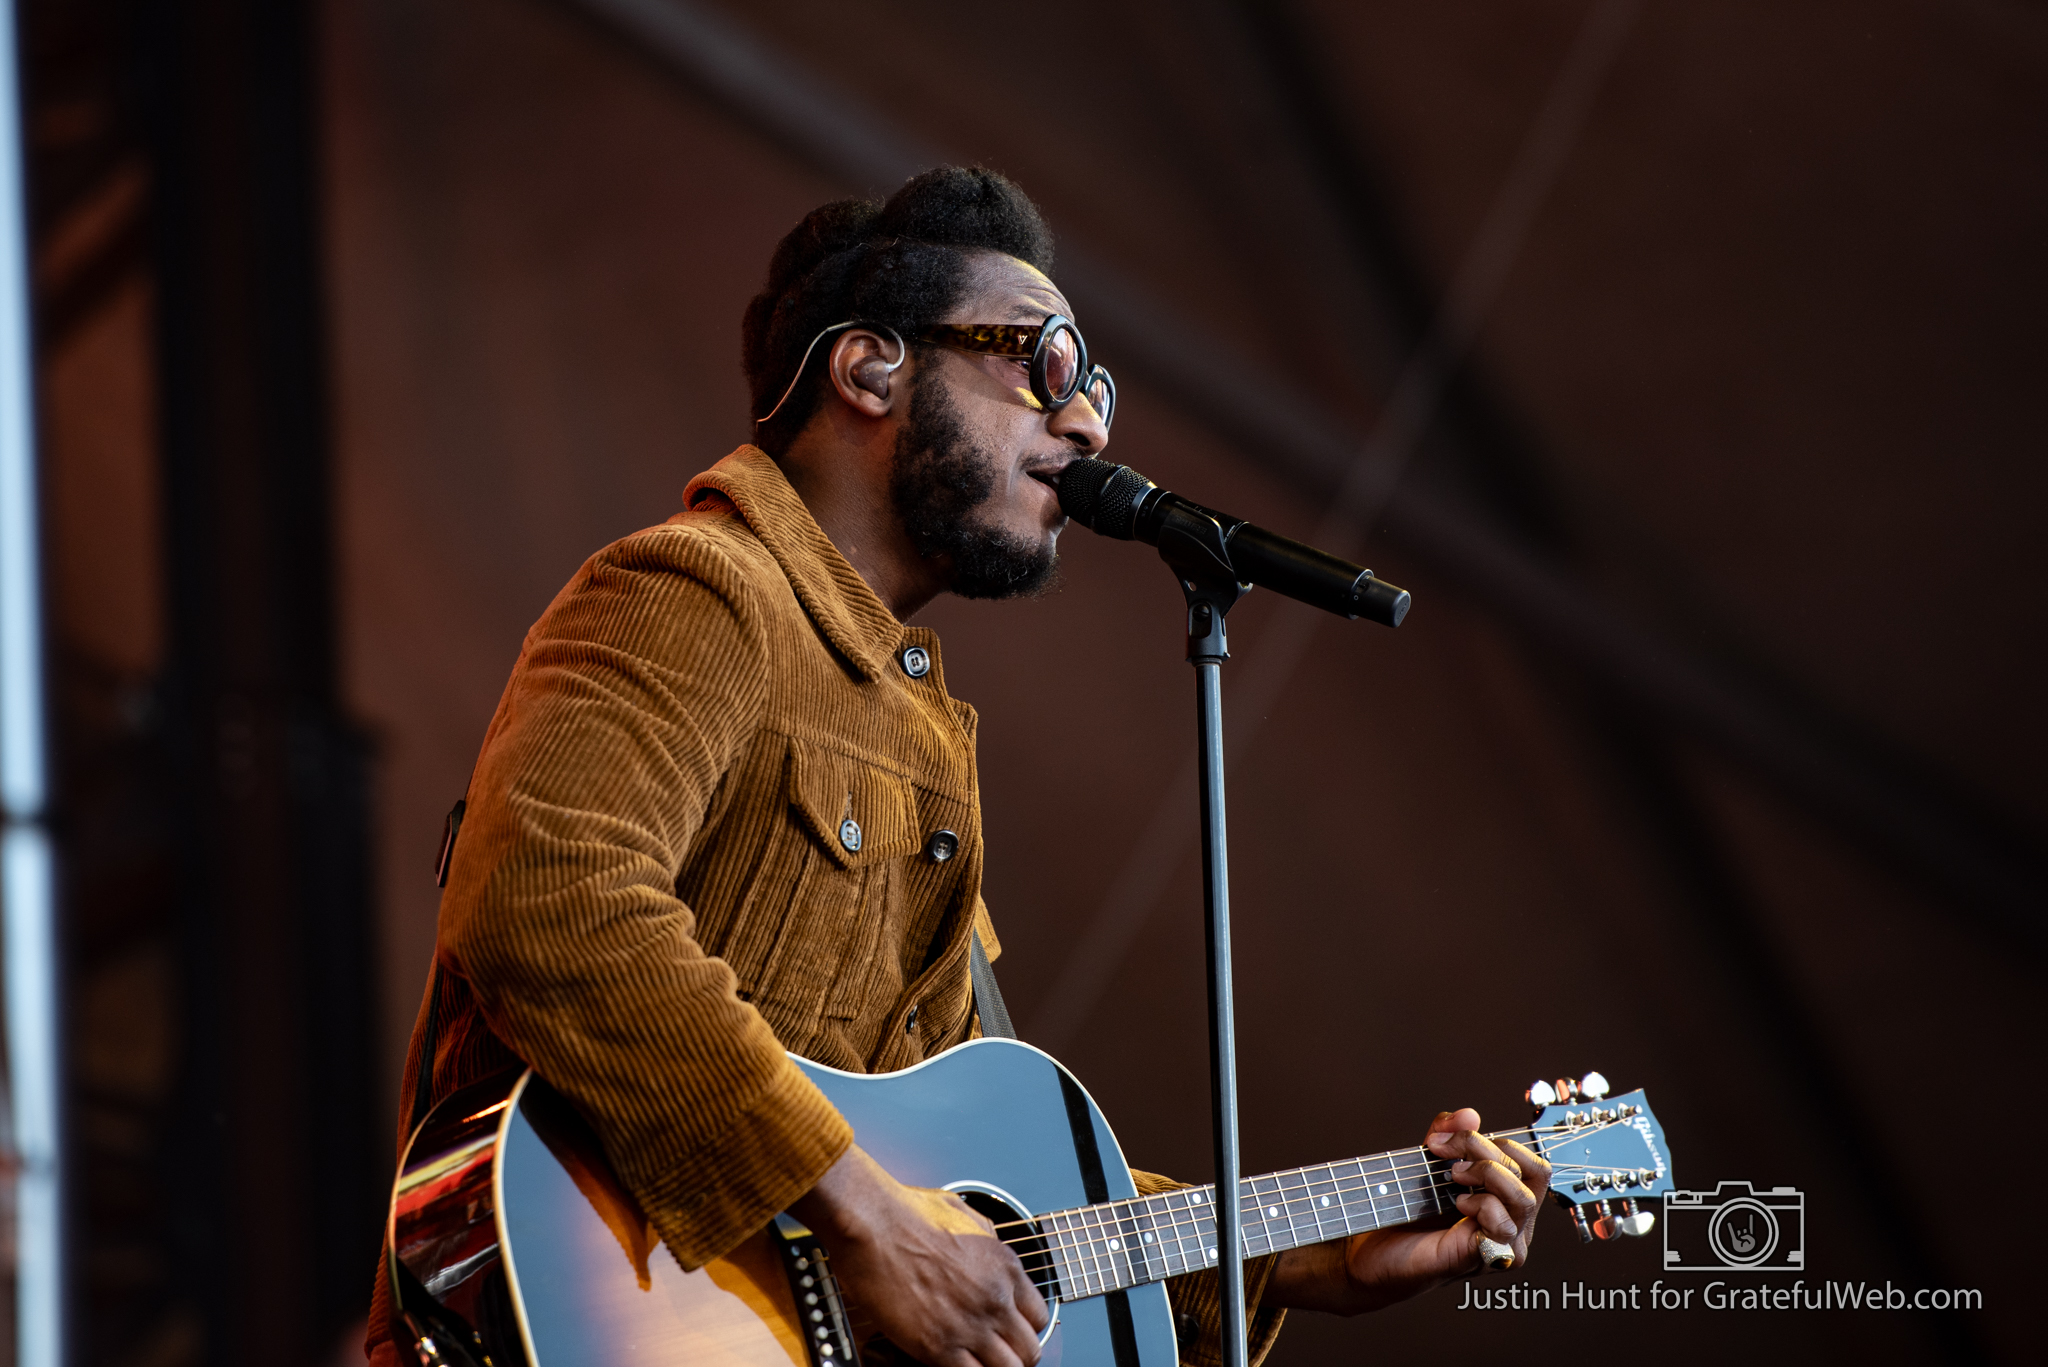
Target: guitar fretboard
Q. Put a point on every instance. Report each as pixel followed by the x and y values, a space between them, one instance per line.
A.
pixel 1121 1244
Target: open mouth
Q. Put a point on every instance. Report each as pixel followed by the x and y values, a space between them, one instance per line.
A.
pixel 1049 476
pixel 1051 480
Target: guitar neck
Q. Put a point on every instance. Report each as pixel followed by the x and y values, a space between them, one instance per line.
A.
pixel 1121 1244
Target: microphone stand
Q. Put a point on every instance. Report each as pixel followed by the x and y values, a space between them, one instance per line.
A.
pixel 1196 550
pixel 1116 501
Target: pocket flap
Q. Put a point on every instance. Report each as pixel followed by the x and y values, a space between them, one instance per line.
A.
pixel 830 790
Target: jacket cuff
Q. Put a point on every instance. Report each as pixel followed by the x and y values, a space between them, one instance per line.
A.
pixel 774 1151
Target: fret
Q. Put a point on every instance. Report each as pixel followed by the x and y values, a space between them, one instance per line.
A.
pixel 1052 1229
pixel 1285 1208
pixel 1304 1220
pixel 1255 1223
pixel 1344 1179
pixel 1383 1204
pixel 1164 1247
pixel 1105 1252
pixel 1191 1236
pixel 1137 1263
pixel 1422 1185
pixel 1354 1196
pixel 1135 1241
pixel 1173 1232
pixel 1098 1273
pixel 1073 1271
pixel 1202 1221
pixel 1116 1247
pixel 1165 1235
pixel 1136 1223
pixel 1311 1182
pixel 1087 1264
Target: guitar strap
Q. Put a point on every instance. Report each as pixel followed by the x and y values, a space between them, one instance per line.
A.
pixel 988 998
pixel 430 1037
pixel 430 1044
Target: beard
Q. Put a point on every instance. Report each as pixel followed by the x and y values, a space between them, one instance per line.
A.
pixel 941 482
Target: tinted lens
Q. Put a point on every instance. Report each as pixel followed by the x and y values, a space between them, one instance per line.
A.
pixel 1059 361
pixel 1101 392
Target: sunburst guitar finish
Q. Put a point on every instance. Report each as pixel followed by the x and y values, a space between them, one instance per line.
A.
pixel 512 1245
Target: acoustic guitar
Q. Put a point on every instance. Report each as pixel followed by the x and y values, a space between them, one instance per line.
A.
pixel 513 1245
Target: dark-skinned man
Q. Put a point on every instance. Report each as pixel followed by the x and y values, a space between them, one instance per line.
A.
pixel 663 881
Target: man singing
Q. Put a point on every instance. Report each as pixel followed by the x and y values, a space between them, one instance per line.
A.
pixel 726 807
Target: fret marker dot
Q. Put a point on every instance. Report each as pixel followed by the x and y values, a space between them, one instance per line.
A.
pixel 1326 1200
pixel 1212 1252
pixel 1114 1245
pixel 1272 1211
pixel 1195 1199
pixel 1383 1188
pixel 1148 1238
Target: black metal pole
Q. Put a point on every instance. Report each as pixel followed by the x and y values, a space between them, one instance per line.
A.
pixel 1208 648
pixel 1222 1021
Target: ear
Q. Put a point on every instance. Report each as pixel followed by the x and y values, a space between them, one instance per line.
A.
pixel 862 366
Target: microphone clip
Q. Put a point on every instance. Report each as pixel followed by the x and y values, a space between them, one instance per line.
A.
pixel 1196 546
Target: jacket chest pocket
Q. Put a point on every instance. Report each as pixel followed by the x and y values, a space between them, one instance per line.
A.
pixel 812 938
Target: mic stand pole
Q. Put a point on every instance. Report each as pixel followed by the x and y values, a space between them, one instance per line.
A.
pixel 1196 550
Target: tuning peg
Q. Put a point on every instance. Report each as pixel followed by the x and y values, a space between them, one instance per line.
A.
pixel 1579 1223
pixel 1633 1222
pixel 1541 1094
pixel 1593 1086
pixel 1603 1224
pixel 1567 1090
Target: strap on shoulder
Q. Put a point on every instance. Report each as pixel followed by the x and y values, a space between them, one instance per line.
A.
pixel 988 998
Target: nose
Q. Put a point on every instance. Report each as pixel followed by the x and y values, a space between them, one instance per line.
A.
pixel 1080 424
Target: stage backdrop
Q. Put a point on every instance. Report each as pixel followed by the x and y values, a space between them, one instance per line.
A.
pixel 1748 365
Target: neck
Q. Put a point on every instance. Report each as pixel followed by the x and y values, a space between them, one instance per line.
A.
pixel 1121 1244
pixel 843 479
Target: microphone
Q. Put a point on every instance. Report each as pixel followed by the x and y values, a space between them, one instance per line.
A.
pixel 1115 500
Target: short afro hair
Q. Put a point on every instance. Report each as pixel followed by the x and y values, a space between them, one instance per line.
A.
pixel 902 262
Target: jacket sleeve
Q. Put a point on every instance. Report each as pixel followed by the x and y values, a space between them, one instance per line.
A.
pixel 633 696
pixel 1197 1299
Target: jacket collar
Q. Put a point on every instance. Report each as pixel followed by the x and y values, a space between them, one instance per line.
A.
pixel 831 590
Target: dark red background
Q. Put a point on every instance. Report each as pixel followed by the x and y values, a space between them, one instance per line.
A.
pixel 1768 360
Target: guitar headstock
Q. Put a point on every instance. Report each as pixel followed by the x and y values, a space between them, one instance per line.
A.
pixel 1606 1154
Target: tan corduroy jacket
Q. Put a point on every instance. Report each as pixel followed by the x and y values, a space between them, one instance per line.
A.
pixel 697 836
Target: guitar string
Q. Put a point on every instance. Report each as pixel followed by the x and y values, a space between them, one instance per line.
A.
pixel 1201 1229
pixel 1079 1237
pixel 1403 1165
pixel 1097 1250
pixel 1086 1240
pixel 1096 1265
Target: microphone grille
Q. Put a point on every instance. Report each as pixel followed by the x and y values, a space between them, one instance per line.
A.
pixel 1103 497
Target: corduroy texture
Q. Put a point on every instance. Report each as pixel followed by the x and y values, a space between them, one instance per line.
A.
pixel 656 892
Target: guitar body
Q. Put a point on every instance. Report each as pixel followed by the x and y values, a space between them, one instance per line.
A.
pixel 511 1239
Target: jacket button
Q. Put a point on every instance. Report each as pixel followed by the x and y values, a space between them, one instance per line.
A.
pixel 942 846
pixel 910 1022
pixel 849 835
pixel 916 663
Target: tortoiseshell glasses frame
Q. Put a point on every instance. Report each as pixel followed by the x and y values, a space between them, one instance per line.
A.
pixel 1058 358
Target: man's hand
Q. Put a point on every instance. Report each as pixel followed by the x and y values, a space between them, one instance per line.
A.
pixel 929 1272
pixel 1369 1271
